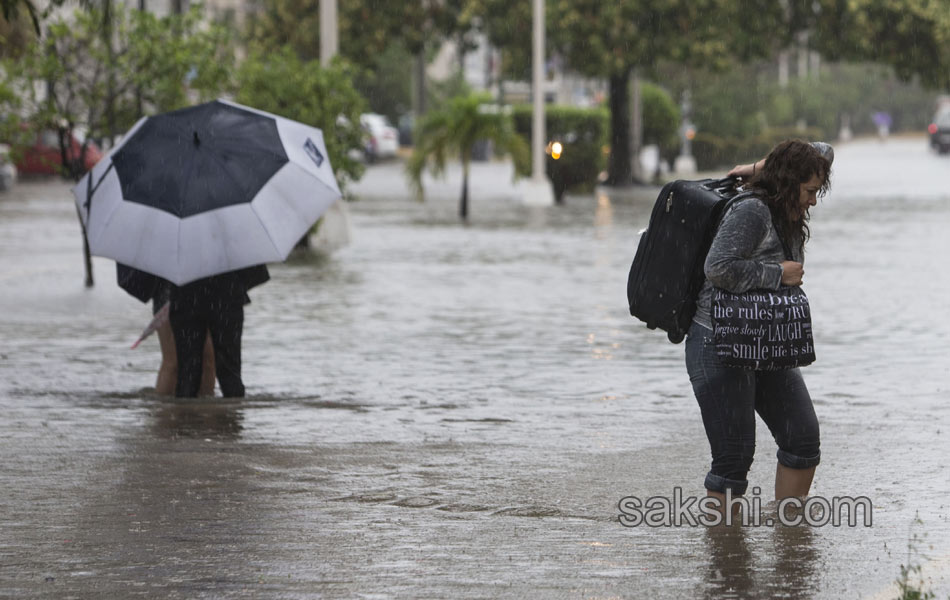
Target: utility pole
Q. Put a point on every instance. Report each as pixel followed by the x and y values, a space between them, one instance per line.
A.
pixel 537 94
pixel 783 69
pixel 329 43
pixel 685 163
pixel 802 55
pixel 419 71
pixel 538 190
pixel 419 83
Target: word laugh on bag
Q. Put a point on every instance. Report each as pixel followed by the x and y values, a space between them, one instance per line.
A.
pixel 763 330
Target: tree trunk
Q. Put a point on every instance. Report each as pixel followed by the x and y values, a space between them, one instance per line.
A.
pixel 618 163
pixel 636 130
pixel 68 168
pixel 559 190
pixel 139 108
pixel 87 255
pixel 463 204
pixel 88 259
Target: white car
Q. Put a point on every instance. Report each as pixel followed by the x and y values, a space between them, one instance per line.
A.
pixel 383 138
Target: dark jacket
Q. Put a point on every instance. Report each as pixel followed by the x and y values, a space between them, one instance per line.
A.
pixel 140 284
pixel 225 289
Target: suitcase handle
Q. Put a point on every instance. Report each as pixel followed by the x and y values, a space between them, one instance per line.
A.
pixel 725 183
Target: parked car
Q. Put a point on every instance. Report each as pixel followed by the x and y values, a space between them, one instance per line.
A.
pixel 383 138
pixel 939 130
pixel 43 157
pixel 8 172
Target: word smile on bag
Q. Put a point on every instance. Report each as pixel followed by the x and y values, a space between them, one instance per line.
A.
pixel 763 330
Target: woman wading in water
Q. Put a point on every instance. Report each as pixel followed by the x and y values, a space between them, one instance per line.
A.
pixel 748 253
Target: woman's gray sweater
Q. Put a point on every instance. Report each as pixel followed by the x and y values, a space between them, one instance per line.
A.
pixel 746 253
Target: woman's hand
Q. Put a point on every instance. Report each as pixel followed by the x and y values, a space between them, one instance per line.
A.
pixel 746 171
pixel 792 272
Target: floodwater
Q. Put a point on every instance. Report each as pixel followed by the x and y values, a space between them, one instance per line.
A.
pixel 448 411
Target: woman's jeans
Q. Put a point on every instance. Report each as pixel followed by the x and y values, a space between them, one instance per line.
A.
pixel 729 398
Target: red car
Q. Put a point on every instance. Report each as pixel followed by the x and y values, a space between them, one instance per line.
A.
pixel 44 156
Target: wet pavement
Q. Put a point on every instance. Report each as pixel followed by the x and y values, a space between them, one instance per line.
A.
pixel 449 411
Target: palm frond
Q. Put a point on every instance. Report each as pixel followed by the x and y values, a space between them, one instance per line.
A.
pixel 454 130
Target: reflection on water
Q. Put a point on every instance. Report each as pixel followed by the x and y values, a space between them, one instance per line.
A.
pixel 603 216
pixel 197 419
pixel 729 573
pixel 797 561
pixel 752 563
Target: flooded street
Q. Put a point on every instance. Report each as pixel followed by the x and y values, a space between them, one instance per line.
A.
pixel 449 411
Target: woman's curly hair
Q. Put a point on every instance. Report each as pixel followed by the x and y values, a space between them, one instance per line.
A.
pixel 790 164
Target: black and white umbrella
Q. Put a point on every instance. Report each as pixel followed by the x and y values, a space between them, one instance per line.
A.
pixel 205 190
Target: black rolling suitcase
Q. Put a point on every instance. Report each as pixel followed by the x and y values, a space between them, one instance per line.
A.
pixel 667 270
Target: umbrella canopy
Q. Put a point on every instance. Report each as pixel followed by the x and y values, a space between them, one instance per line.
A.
pixel 205 190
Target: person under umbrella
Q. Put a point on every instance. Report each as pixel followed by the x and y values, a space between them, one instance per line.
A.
pixel 147 287
pixel 212 306
pixel 203 197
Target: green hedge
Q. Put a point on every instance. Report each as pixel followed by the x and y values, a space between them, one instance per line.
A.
pixel 661 120
pixel 713 152
pixel 583 135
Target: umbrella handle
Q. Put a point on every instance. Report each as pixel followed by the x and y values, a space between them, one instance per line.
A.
pixel 160 317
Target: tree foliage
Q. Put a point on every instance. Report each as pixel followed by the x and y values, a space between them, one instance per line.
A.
pixel 155 65
pixel 366 27
pixel 611 39
pixel 601 39
pixel 378 37
pixel 912 36
pixel 661 117
pixel 508 26
pixel 582 133
pixel 103 69
pixel 283 84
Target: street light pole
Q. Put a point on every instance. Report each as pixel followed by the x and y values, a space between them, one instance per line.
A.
pixel 685 163
pixel 537 94
pixel 329 44
pixel 538 191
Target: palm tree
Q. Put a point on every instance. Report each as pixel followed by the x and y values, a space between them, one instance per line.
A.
pixel 454 130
